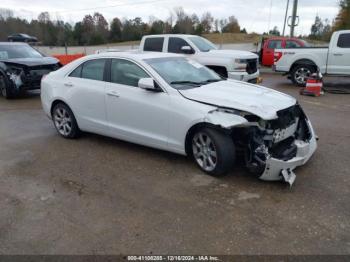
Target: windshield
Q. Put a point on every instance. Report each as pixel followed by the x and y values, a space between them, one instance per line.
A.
pixel 18 51
pixel 202 44
pixel 183 73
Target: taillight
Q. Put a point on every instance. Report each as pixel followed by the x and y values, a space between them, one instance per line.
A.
pixel 277 56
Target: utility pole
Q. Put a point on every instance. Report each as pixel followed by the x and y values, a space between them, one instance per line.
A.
pixel 294 16
pixel 285 18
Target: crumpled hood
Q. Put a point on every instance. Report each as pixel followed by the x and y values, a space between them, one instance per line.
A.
pixel 231 53
pixel 31 61
pixel 257 100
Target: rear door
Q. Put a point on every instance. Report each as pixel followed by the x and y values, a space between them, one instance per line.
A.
pixel 85 88
pixel 269 50
pixel 153 44
pixel 339 56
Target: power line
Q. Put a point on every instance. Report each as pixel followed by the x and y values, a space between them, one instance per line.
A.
pixel 285 18
pixel 110 6
pixel 269 24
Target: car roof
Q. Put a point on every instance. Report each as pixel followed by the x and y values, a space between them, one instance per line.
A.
pixel 282 38
pixel 13 43
pixel 165 35
pixel 136 55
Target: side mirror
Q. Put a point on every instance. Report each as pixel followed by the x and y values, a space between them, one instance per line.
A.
pixel 187 50
pixel 148 84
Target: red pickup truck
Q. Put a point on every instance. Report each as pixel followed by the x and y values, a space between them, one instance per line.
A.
pixel 268 46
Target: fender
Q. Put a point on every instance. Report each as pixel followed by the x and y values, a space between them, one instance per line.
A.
pixel 224 119
pixel 309 59
pixel 304 62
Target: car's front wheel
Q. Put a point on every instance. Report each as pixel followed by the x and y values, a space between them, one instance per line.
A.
pixel 5 87
pixel 213 151
pixel 64 121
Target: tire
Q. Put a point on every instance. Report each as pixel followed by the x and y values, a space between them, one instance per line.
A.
pixel 65 122
pixel 5 90
pixel 300 73
pixel 219 148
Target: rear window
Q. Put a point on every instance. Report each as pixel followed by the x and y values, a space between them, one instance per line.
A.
pixel 154 44
pixel 93 69
pixel 344 41
pixel 275 44
pixel 292 44
pixel 76 72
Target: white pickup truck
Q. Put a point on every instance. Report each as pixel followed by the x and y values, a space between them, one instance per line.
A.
pixel 299 63
pixel 233 64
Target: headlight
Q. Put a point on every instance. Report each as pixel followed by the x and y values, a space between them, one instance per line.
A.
pixel 14 70
pixel 15 75
pixel 240 65
pixel 249 116
pixel 233 111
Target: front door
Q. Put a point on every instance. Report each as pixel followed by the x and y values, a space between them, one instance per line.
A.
pixel 85 88
pixel 269 50
pixel 135 114
pixel 339 56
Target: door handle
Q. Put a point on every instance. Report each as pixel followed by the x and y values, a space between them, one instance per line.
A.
pixel 112 93
pixel 68 84
pixel 338 54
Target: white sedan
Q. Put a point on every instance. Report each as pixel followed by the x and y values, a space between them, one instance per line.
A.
pixel 172 103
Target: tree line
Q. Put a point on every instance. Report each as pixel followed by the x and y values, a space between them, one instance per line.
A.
pixel 94 29
pixel 322 29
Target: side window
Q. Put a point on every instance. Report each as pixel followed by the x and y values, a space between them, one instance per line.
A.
pixel 292 44
pixel 126 73
pixel 344 41
pixel 76 72
pixel 154 44
pixel 93 69
pixel 175 44
pixel 275 44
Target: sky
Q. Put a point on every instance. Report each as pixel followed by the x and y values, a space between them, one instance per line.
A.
pixel 254 15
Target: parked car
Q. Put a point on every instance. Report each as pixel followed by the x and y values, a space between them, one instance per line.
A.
pixel 173 103
pixel 268 46
pixel 21 38
pixel 301 63
pixel 22 67
pixel 233 64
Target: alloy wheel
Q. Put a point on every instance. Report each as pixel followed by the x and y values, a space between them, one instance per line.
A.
pixel 204 151
pixel 63 121
pixel 302 74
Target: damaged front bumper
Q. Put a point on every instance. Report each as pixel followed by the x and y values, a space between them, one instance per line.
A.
pixel 274 151
pixel 280 170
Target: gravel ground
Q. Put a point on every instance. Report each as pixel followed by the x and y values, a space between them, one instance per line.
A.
pixel 97 195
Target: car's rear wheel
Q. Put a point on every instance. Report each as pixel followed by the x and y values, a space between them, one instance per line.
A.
pixel 64 121
pixel 213 151
pixel 300 74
